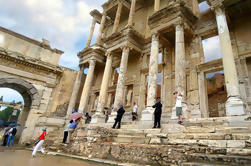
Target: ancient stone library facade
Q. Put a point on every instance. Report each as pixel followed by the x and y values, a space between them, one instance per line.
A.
pixel 149 49
pixel 144 49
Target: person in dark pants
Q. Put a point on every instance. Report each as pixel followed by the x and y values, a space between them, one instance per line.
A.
pixel 120 114
pixel 157 113
pixel 6 136
pixel 66 130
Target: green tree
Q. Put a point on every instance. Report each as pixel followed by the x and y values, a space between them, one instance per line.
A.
pixel 6 113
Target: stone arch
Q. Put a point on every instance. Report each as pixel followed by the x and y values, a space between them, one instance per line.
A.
pixel 26 89
pixel 31 102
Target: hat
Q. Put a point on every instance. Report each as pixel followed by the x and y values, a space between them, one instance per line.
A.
pixel 44 128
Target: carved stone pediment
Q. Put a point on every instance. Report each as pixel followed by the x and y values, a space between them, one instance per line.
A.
pixel 95 52
pixel 171 12
pixel 129 35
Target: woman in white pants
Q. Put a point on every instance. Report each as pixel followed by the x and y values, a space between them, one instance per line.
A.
pixel 40 143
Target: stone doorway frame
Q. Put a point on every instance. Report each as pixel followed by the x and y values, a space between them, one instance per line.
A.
pixel 202 70
pixel 31 101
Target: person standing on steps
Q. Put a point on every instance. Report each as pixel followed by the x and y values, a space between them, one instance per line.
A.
pixel 134 111
pixel 178 105
pixel 66 131
pixel 157 113
pixel 120 114
pixel 40 143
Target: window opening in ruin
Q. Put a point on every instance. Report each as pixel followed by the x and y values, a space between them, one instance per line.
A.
pixel 217 94
pixel 203 6
pixel 86 71
pixel 159 82
pixel 211 48
pixel 12 109
pixel 160 56
pixel 95 34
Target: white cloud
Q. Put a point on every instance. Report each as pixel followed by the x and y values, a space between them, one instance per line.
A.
pixel 9 95
pixel 65 23
pixel 211 47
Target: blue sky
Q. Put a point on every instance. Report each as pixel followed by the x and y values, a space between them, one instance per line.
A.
pixel 66 24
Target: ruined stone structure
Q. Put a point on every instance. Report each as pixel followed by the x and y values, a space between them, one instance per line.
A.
pixel 31 68
pixel 148 49
pixel 140 42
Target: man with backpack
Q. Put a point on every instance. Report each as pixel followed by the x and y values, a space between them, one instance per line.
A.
pixel 11 136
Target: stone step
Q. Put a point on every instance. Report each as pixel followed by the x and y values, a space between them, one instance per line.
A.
pixel 211 136
pixel 217 129
pixel 209 143
pixel 131 139
pixel 233 159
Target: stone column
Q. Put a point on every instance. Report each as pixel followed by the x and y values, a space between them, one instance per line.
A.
pixel 147 114
pixel 180 67
pixel 94 21
pixel 88 83
pixel 156 5
pixel 132 11
pixel 180 61
pixel 75 91
pixel 234 105
pixel 101 28
pixel 121 81
pixel 203 95
pixel 99 117
pixel 117 18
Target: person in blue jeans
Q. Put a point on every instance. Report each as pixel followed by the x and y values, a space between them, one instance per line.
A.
pixel 11 136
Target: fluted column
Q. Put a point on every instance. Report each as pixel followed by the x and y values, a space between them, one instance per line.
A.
pixel 86 90
pixel 147 114
pixel 180 62
pixel 156 5
pixel 153 70
pixel 99 117
pixel 75 91
pixel 101 28
pixel 121 81
pixel 234 105
pixel 117 18
pixel 132 11
pixel 94 21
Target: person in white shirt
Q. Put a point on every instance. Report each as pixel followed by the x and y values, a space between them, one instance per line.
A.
pixel 66 130
pixel 178 105
pixel 134 111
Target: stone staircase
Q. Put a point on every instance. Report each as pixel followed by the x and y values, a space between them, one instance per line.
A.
pixel 221 141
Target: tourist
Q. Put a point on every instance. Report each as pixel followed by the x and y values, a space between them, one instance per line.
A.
pixel 134 111
pixel 88 118
pixel 40 143
pixel 11 136
pixel 5 137
pixel 66 131
pixel 178 106
pixel 120 114
pixel 157 113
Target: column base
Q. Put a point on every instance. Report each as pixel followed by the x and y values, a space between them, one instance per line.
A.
pixel 147 119
pixel 235 107
pixel 112 117
pixel 98 118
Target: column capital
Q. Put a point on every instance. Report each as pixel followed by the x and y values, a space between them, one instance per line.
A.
pixel 108 54
pixel 155 36
pixel 180 21
pixel 219 10
pixel 125 48
pixel 92 62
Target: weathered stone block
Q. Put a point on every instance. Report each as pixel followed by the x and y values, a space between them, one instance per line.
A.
pixel 235 144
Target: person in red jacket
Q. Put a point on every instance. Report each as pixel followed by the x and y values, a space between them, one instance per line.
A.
pixel 40 143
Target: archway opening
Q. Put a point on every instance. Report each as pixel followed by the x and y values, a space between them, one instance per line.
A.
pixel 28 97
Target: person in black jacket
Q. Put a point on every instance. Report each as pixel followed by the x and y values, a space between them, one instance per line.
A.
pixel 120 114
pixel 157 113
